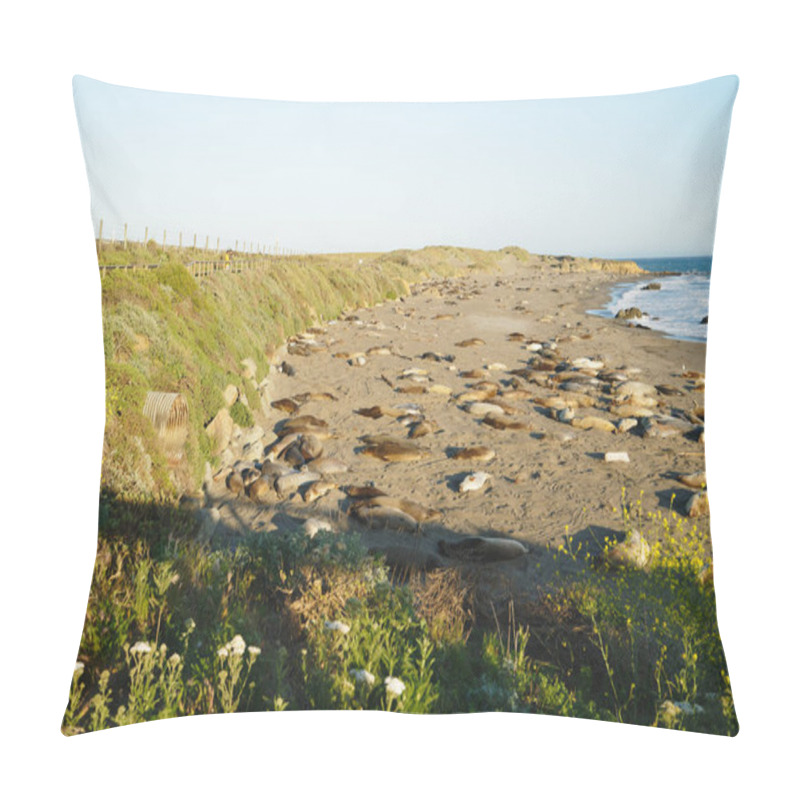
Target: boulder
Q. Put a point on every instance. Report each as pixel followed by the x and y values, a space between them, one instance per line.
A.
pixel 230 394
pixel 697 505
pixel 220 430
pixel 252 435
pixel 249 368
pixel 629 313
pixel 632 551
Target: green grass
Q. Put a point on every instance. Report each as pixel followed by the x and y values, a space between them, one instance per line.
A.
pixel 166 331
pixel 279 621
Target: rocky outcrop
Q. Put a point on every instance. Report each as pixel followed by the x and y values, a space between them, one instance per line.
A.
pixel 580 264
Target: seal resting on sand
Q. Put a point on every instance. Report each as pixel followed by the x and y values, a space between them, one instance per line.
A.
pixel 477 453
pixel 395 451
pixel 482 549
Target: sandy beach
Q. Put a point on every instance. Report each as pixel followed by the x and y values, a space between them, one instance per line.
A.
pixel 547 477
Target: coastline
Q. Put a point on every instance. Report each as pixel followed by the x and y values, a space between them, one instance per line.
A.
pixel 545 481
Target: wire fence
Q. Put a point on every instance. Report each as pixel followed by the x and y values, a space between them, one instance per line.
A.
pixel 122 235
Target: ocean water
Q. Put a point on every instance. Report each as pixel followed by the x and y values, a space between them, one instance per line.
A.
pixel 677 308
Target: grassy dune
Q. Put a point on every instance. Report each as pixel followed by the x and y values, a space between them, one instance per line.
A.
pixel 165 331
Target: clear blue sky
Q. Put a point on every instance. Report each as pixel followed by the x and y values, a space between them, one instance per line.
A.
pixel 629 175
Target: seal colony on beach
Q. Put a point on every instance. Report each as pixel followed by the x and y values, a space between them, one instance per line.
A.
pixel 550 411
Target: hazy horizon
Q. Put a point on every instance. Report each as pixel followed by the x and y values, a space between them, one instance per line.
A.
pixel 604 176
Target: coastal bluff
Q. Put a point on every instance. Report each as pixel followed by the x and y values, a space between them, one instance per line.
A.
pixel 166 331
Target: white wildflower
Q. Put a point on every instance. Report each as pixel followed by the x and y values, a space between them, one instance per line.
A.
pixel 162 649
pixel 254 651
pixel 363 676
pixel 237 645
pixel 689 708
pixel 174 660
pixel 141 647
pixel 79 667
pixel 223 652
pixel 672 709
pixel 336 625
pixel 394 686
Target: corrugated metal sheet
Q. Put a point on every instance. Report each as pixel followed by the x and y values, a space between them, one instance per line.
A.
pixel 168 412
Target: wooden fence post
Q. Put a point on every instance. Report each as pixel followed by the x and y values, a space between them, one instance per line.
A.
pixel 146 230
pixel 125 237
pixel 206 243
pixel 194 243
pixel 180 240
pixel 100 237
pixel 164 242
pixel 217 244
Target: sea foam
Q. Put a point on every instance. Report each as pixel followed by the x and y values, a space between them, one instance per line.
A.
pixel 676 309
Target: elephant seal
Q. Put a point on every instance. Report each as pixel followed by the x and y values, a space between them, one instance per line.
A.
pixel 305 423
pixel 694 480
pixel 317 489
pixel 395 451
pixel 363 491
pixel 289 483
pixel 310 446
pixel 408 559
pixel 482 549
pixel 259 491
pixel 501 423
pixel 286 404
pixel 416 511
pixel 235 483
pixel 477 453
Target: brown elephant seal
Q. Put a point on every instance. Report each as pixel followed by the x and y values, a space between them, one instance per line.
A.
pixel 363 491
pixel 423 427
pixel 274 469
pixel 260 491
pixel 288 484
pixel 408 559
pixel 310 446
pixel 286 404
pixel 416 511
pixel 250 474
pixel 482 549
pixel 292 455
pixel 502 423
pixel 396 451
pixel 235 483
pixel 383 517
pixel 305 423
pixel 694 480
pixel 477 453
pixel 317 489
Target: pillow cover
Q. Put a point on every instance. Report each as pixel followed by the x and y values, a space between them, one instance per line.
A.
pixel 404 407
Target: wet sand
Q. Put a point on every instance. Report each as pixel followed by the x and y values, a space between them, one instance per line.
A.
pixel 544 479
